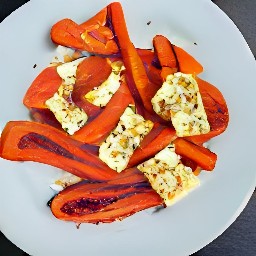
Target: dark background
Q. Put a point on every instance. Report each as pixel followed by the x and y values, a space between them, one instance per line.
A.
pixel 240 238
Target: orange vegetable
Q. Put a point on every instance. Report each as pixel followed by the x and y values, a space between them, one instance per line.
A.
pixel 98 129
pixel 166 56
pixel 43 87
pixel 216 110
pixel 92 36
pixel 200 155
pixel 187 63
pixel 140 155
pixel 135 70
pixel 88 77
pixel 105 202
pixel 31 141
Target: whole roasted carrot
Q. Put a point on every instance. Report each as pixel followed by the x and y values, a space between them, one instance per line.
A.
pixel 135 69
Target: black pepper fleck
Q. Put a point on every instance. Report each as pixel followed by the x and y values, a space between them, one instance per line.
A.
pixel 34 66
pixel 149 22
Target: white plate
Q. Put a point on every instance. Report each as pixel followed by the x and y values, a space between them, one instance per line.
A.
pixel 191 223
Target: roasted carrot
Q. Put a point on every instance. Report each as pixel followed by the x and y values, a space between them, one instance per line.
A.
pixel 165 137
pixel 199 154
pixel 132 61
pixel 97 130
pixel 186 62
pixel 99 19
pixel 91 36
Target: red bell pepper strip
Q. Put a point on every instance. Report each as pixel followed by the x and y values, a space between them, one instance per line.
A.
pixel 105 202
pixel 98 129
pixel 216 110
pixel 88 77
pixel 44 116
pixel 31 141
pixel 42 88
pixel 92 36
pixel 98 20
pixel 187 63
pixel 200 155
pixel 153 72
pixel 173 58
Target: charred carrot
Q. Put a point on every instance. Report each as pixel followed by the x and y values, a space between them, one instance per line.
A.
pixel 98 129
pixel 186 62
pixel 165 137
pixel 92 36
pixel 132 61
pixel 199 154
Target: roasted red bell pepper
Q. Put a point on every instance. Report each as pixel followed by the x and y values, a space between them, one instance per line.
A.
pixel 93 35
pixel 216 110
pixel 42 88
pixel 141 154
pixel 173 58
pixel 31 141
pixel 187 63
pixel 105 202
pixel 91 72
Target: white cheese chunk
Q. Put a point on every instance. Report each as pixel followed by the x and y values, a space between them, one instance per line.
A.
pixel 71 117
pixel 124 139
pixel 67 71
pixel 102 94
pixel 67 179
pixel 61 53
pixel 179 101
pixel 168 176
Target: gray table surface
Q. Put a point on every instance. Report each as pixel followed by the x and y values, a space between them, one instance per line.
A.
pixel 240 238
